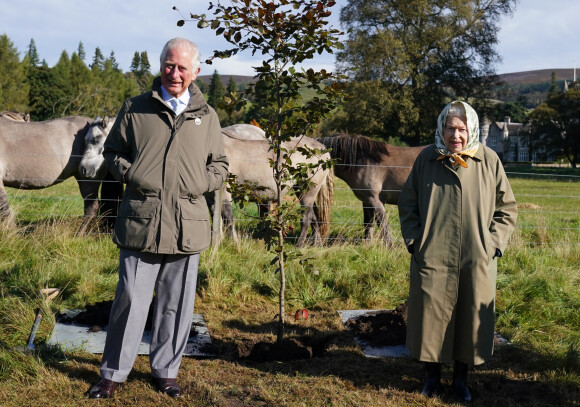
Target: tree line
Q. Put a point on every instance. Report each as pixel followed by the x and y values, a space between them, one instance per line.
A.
pixel 73 88
pixel 402 61
pixel 70 87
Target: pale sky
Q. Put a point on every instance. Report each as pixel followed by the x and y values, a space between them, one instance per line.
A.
pixel 540 35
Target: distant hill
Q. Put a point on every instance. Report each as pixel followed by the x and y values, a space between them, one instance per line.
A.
pixel 239 79
pixel 514 78
pixel 530 87
pixel 539 76
pixel 533 86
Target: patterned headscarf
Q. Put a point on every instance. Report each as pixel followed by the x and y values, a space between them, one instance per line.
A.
pixel 472 138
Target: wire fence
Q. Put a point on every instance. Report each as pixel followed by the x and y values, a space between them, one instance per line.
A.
pixel 548 208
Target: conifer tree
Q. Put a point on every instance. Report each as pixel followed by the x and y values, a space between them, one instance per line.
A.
pixel 98 60
pixel 232 85
pixel 81 51
pixel 13 85
pixel 32 54
pixel 201 85
pixel 216 90
pixel 135 62
pixel 114 63
pixel 144 65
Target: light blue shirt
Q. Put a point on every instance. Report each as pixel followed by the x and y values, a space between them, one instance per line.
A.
pixel 179 104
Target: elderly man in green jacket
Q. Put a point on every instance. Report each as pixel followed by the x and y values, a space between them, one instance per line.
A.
pixel 166 146
pixel 457 212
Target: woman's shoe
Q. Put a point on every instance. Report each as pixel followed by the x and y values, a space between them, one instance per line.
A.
pixel 460 382
pixel 432 379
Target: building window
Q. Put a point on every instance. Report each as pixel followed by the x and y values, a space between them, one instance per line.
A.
pixel 523 155
pixel 493 141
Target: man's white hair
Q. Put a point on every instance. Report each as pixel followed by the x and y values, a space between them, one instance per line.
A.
pixel 179 43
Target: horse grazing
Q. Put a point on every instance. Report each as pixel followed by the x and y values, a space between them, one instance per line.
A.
pixel 35 155
pixel 375 171
pixel 249 153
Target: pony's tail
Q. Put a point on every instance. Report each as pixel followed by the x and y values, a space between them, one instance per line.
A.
pixel 324 204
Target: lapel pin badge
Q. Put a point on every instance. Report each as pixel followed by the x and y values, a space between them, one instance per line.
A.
pixel 197 121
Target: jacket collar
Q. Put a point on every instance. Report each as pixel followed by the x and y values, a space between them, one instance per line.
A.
pixel 197 105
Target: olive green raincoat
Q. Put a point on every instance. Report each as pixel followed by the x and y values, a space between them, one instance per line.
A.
pixel 168 162
pixel 453 220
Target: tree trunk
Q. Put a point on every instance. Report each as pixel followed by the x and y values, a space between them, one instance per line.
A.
pixel 282 308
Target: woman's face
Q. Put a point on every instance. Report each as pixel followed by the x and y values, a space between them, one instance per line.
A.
pixel 455 134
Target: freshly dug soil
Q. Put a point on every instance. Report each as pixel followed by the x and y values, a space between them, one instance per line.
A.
pixel 300 347
pixel 381 328
pixel 286 350
pixel 97 316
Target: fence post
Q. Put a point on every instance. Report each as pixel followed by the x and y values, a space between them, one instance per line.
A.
pixel 216 229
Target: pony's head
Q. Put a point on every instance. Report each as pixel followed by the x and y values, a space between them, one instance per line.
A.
pixel 92 164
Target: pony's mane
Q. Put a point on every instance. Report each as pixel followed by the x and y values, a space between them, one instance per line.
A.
pixel 83 132
pixel 355 149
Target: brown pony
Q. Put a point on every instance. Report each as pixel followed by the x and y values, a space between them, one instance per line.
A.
pixel 375 171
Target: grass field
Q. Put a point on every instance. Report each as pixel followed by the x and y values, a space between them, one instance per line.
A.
pixel 537 310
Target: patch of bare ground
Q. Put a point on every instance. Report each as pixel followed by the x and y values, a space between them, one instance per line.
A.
pixel 304 347
pixel 318 364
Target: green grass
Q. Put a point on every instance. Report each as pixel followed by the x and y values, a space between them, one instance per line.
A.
pixel 537 310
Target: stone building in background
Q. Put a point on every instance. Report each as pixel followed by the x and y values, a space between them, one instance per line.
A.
pixel 507 139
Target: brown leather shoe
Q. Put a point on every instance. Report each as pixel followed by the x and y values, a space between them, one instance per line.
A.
pixel 169 387
pixel 103 389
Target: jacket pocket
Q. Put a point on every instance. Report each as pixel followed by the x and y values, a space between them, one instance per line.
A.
pixel 195 233
pixel 489 246
pixel 134 222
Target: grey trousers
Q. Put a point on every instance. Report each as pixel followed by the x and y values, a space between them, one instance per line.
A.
pixel 173 279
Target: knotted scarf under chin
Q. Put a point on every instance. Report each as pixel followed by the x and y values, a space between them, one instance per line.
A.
pixel 455 158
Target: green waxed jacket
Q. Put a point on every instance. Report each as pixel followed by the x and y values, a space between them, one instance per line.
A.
pixel 167 163
pixel 453 220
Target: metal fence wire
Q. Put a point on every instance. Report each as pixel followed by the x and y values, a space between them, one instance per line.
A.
pixel 535 205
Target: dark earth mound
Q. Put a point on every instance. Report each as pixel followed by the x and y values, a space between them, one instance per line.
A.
pixel 381 328
pixel 286 350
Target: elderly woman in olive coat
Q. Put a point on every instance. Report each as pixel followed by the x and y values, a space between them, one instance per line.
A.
pixel 457 211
